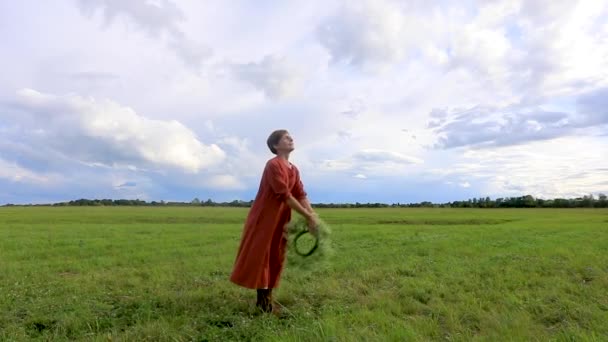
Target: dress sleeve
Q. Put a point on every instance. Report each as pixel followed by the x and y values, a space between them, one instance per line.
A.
pixel 298 191
pixel 278 180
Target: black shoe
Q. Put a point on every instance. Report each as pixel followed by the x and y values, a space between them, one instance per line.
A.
pixel 264 301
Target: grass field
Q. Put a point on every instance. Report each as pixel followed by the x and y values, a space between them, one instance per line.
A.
pixel 161 274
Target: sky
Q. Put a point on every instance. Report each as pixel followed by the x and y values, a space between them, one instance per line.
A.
pixel 387 101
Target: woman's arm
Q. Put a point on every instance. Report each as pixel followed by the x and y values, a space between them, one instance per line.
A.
pixel 306 204
pixel 297 206
pixel 309 214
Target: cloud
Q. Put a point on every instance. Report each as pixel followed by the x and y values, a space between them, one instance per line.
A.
pixel 274 76
pixel 593 108
pixel 508 76
pixel 355 108
pixel 562 167
pixel 127 185
pixel 104 132
pixel 370 161
pixel 482 50
pixel 487 126
pixel 13 172
pixel 382 156
pixel 224 182
pixel 344 135
pixel 364 33
pixel 94 76
pixel 156 18
pixel 501 127
pixel 535 48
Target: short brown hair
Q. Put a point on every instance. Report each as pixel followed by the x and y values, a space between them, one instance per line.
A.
pixel 274 138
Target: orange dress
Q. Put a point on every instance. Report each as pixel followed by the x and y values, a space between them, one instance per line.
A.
pixel 261 254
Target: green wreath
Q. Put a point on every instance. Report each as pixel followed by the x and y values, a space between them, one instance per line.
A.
pixel 311 251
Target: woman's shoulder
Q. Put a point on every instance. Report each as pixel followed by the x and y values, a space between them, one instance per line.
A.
pixel 277 162
pixel 274 164
pixel 272 161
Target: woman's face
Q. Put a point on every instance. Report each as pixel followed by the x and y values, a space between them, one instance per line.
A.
pixel 285 144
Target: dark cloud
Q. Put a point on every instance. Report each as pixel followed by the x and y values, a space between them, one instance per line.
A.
pixel 512 125
pixel 593 107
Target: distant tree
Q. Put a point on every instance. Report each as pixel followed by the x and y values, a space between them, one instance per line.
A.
pixel 528 201
pixel 499 202
pixel 587 201
pixel 602 202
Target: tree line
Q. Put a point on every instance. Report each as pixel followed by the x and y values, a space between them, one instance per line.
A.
pixel 527 201
pixel 137 202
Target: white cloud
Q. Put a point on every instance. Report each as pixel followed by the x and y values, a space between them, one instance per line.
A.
pixel 156 18
pixel 354 108
pixel 224 182
pixel 541 48
pixel 274 76
pixel 480 49
pixel 562 167
pixel 376 155
pixel 190 84
pixel 102 131
pixel 15 173
pixel 371 33
pixel 370 161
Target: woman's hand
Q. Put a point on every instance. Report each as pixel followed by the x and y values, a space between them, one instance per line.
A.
pixel 313 222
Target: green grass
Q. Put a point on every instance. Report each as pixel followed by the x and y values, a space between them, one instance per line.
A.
pixel 161 274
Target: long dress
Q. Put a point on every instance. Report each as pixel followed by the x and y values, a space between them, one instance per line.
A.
pixel 261 254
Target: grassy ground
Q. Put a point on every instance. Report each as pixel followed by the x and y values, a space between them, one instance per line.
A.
pixel 161 274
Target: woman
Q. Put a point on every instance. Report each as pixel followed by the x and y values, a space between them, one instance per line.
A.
pixel 261 253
